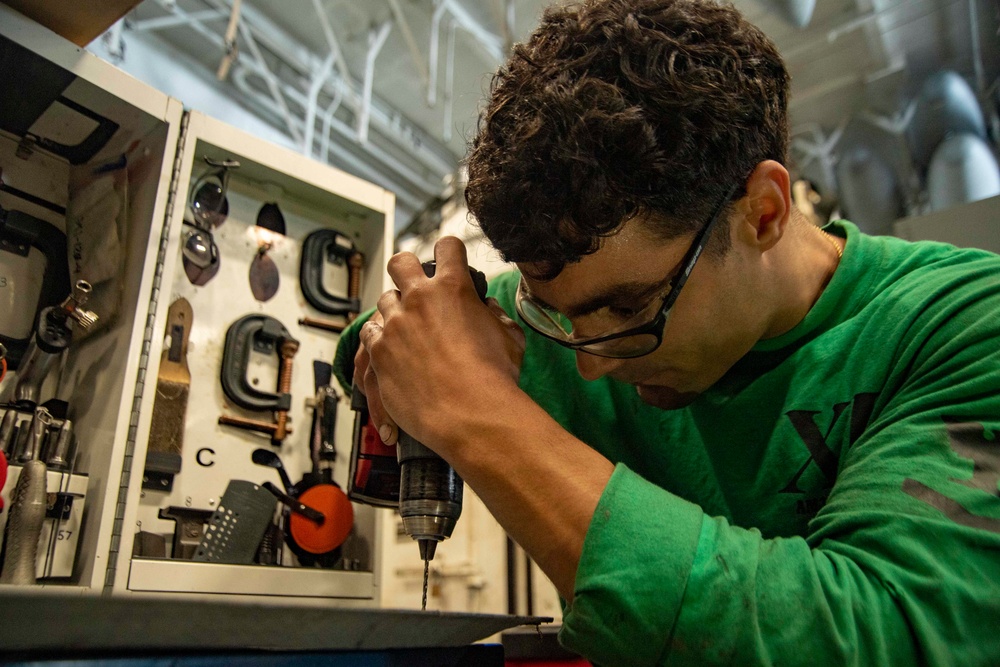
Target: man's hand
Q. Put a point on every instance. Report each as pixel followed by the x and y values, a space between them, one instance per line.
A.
pixel 434 355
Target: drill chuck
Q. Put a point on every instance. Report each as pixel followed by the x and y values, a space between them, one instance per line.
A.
pixel 430 495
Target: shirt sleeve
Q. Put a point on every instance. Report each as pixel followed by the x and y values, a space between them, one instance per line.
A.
pixel 901 566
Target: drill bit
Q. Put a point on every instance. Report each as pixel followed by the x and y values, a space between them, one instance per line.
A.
pixel 423 601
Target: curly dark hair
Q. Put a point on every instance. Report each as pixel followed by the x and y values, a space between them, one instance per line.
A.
pixel 618 108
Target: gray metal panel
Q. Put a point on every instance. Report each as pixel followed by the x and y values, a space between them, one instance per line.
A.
pixel 975 225
pixel 32 622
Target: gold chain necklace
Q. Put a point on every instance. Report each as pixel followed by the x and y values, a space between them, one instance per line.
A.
pixel 829 237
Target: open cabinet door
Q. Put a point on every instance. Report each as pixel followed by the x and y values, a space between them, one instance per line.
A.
pixel 87 157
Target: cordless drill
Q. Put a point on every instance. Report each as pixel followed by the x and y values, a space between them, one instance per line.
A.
pixel 413 479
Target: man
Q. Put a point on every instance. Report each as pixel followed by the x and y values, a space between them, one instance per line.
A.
pixel 727 436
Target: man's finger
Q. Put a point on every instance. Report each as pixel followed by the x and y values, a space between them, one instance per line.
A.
pixel 387 429
pixel 388 303
pixel 405 270
pixel 451 257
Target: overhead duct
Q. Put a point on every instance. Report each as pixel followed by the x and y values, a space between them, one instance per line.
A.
pixel 869 190
pixel 946 105
pixel 796 12
pixel 962 170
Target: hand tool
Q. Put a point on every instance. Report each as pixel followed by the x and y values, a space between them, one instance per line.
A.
pixel 321 516
pixel 53 334
pixel 265 457
pixel 188 531
pixel 19 234
pixel 238 524
pixel 209 203
pixel 200 256
pixel 24 525
pixel 295 505
pixel 3 362
pixel 325 325
pixel 329 245
pixel 173 384
pixel 264 275
pixel 428 491
pixel 8 430
pixel 269 551
pixel 35 442
pixel 59 456
pixel 267 335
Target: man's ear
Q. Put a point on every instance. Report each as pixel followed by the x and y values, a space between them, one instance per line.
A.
pixel 769 204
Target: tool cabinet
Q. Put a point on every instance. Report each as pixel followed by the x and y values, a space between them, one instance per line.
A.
pixel 109 376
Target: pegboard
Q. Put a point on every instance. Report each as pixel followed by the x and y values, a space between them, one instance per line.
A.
pixel 215 454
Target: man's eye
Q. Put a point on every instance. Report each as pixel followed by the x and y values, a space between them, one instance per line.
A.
pixel 623 312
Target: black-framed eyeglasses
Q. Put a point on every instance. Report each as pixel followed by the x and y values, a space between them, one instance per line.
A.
pixel 643 332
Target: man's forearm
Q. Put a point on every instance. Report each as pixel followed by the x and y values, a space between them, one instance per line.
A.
pixel 540 482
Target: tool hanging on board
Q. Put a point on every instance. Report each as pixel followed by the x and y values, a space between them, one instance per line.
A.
pixel 330 246
pixel 319 517
pixel 21 233
pixel 173 385
pixel 3 362
pixel 209 207
pixel 237 525
pixel 53 334
pixel 24 526
pixel 266 335
pixel 423 486
pixel 264 275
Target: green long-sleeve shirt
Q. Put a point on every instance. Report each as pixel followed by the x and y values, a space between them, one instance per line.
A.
pixel 832 500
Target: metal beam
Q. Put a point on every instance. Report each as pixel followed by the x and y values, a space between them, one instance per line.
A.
pixel 176 19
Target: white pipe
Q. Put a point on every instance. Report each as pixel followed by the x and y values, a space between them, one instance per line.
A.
pixel 411 42
pixel 331 40
pixel 449 83
pixel 342 128
pixel 376 40
pixel 977 56
pixel 314 87
pixel 489 43
pixel 439 11
pixel 327 117
pixel 387 120
pixel 271 81
pixel 407 137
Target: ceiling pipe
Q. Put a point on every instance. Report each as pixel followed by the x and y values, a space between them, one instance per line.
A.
pixel 411 42
pixel 346 159
pixel 271 81
pixel 332 42
pixel 449 84
pixel 384 118
pixel 796 12
pixel 432 67
pixel 342 128
pixel 393 173
pixel 314 87
pixel 376 40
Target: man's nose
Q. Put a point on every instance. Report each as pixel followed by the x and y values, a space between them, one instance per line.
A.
pixel 592 367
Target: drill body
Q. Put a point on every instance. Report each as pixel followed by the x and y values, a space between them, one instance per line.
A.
pixel 413 479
